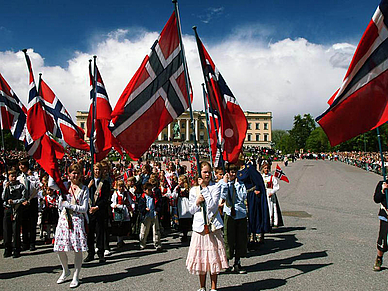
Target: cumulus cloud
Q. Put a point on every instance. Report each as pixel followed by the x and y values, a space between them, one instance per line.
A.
pixel 288 77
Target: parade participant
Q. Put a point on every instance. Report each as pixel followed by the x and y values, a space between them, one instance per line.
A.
pixel 207 250
pixel 99 194
pixel 258 218
pixel 272 186
pixel 380 197
pixel 234 195
pixel 170 173
pixel 106 171
pixel 181 194
pixel 149 207
pixel 70 234
pixel 29 207
pixel 14 194
pixel 49 213
pixel 122 205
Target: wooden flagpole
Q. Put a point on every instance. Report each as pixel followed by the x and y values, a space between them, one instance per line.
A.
pixel 207 123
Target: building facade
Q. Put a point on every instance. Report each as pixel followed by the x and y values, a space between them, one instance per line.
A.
pixel 259 131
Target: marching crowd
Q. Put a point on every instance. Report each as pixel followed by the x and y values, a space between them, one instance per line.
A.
pixel 228 210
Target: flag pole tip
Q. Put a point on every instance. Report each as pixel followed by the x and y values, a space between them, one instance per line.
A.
pixel 174 1
pixel 90 60
pixel 194 27
pixel 24 51
pixel 94 57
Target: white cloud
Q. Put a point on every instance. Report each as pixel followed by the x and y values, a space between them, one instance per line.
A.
pixel 288 77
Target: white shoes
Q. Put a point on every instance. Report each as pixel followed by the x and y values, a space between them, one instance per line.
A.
pixel 63 277
pixel 107 253
pixel 74 283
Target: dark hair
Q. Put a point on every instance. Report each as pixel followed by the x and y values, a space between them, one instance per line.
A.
pixel 232 167
pixel 75 167
pixel 24 162
pixel 204 164
pixel 147 185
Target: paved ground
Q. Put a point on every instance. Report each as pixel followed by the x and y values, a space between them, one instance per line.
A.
pixel 328 243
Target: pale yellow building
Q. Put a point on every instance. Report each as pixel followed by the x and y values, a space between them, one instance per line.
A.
pixel 258 133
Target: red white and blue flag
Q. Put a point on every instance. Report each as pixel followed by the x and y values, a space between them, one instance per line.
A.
pixel 233 122
pixel 280 174
pixel 155 96
pixel 360 104
pixel 47 114
pixel 215 137
pixel 103 140
pixel 13 112
pixel 35 113
pixel 58 121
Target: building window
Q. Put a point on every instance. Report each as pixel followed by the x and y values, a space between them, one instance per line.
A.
pixel 257 137
pixel 201 137
pixel 165 137
pixel 249 137
pixel 257 126
pixel 201 125
pixel 266 126
pixel 183 124
pixel 265 137
pixel 83 125
pixel 183 136
pixel 249 125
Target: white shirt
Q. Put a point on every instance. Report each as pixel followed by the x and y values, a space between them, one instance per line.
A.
pixel 212 194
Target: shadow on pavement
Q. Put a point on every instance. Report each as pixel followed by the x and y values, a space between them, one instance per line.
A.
pixel 130 272
pixel 37 270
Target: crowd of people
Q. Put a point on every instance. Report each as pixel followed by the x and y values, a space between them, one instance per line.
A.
pixel 227 213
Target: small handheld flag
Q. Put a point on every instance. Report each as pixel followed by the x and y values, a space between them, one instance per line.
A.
pixel 280 174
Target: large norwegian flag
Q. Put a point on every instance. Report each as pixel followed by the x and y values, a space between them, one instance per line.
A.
pixel 58 121
pixel 155 96
pixel 360 104
pixel 47 114
pixel 103 140
pixel 35 114
pixel 233 122
pixel 13 112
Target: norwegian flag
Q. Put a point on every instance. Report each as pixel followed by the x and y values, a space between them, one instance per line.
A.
pixel 360 104
pixel 103 140
pixel 233 122
pixel 13 112
pixel 58 120
pixel 214 130
pixel 155 96
pixel 280 174
pixel 46 152
pixel 47 114
pixel 35 113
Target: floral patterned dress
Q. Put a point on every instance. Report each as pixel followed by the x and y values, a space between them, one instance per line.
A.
pixel 73 239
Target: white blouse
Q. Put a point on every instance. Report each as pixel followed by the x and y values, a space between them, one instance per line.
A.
pixel 212 195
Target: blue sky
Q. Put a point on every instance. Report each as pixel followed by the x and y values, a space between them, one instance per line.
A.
pixel 287 57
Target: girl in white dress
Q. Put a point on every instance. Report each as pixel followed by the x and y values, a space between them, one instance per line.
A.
pixel 72 239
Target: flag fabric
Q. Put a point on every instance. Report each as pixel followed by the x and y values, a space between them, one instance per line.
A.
pixel 154 97
pixel 233 122
pixel 214 134
pixel 280 174
pixel 13 112
pixel 46 152
pixel 103 140
pixel 58 121
pixel 35 112
pixel 360 104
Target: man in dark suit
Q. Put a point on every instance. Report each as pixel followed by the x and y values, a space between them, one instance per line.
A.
pixel 98 200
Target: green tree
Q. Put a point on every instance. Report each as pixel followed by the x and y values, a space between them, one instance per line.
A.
pixel 303 126
pixel 277 135
pixel 318 141
pixel 287 144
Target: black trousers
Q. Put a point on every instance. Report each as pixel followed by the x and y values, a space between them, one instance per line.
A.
pixel 96 233
pixel 29 222
pixel 11 231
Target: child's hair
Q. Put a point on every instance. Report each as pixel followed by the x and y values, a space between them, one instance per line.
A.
pixel 219 169
pixel 12 172
pixel 75 168
pixel 185 181
pixel 147 185
pixel 232 167
pixel 119 183
pixel 24 162
pixel 263 165
pixel 154 182
pixel 130 179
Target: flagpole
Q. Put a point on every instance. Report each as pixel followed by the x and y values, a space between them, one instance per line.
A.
pixel 210 105
pixel 207 123
pixel 94 97
pixel 187 83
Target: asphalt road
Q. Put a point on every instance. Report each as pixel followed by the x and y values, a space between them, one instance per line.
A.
pixel 328 243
